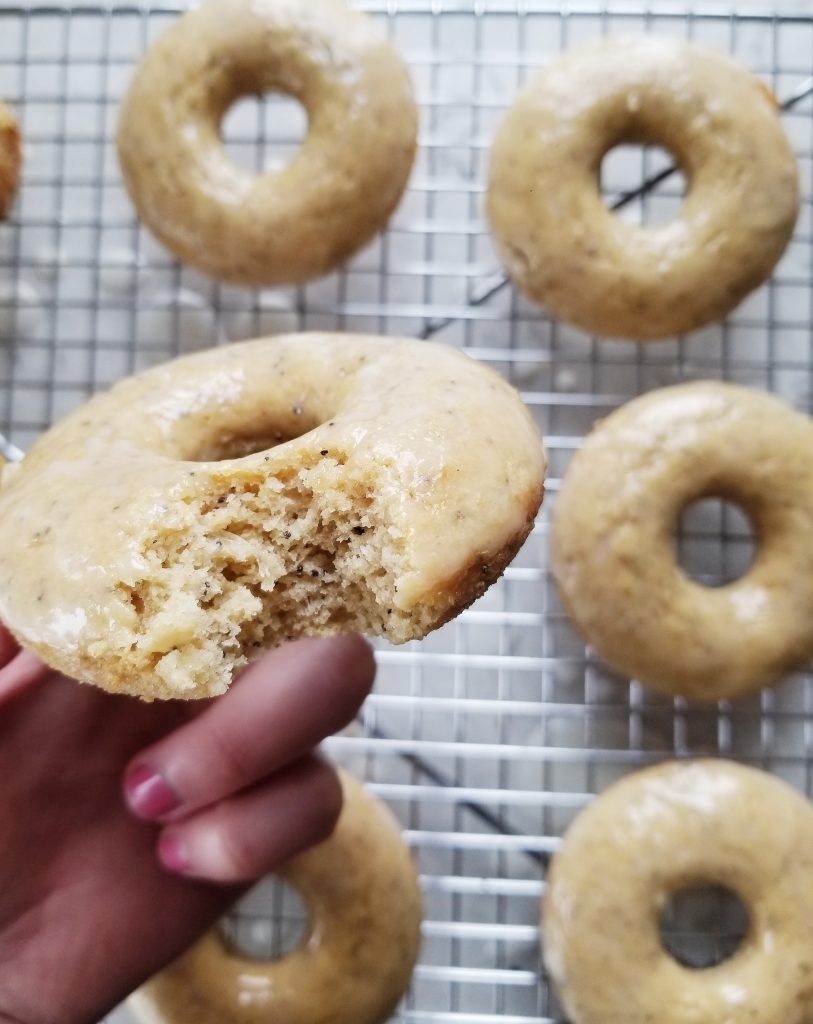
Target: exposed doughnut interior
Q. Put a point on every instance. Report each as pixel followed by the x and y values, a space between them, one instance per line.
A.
pixel 245 561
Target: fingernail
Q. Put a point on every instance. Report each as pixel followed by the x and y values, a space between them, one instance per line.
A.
pixel 148 794
pixel 172 853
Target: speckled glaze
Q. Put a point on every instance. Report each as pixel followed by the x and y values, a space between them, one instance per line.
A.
pixel 613 550
pixel 364 903
pixel 567 251
pixel 339 189
pixel 11 157
pixel 655 833
pixel 445 450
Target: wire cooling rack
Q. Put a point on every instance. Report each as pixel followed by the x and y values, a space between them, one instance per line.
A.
pixel 489 736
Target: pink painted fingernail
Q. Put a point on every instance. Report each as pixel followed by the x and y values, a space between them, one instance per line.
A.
pixel 148 794
pixel 172 853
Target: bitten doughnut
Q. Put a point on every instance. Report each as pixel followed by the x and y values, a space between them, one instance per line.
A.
pixel 342 185
pixel 353 967
pixel 11 156
pixel 166 532
pixel 613 554
pixel 654 834
pixel 565 249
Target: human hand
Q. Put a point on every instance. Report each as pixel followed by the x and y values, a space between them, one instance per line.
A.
pixel 94 898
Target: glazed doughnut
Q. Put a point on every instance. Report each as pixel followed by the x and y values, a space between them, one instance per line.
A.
pixel 166 532
pixel 613 554
pixel 567 251
pixel 354 966
pixel 662 831
pixel 11 156
pixel 342 185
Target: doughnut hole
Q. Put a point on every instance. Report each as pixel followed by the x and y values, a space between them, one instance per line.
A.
pixel 221 438
pixel 268 923
pixel 238 445
pixel 626 170
pixel 262 134
pixel 715 542
pixel 703 925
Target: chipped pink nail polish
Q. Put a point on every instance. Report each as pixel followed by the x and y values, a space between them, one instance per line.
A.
pixel 172 853
pixel 148 794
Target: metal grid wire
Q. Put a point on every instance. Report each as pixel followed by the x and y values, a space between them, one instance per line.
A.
pixel 489 736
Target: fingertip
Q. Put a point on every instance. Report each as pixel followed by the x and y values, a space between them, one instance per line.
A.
pixel 147 793
pixel 350 653
pixel 338 671
pixel 361 654
pixel 172 852
pixel 351 663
